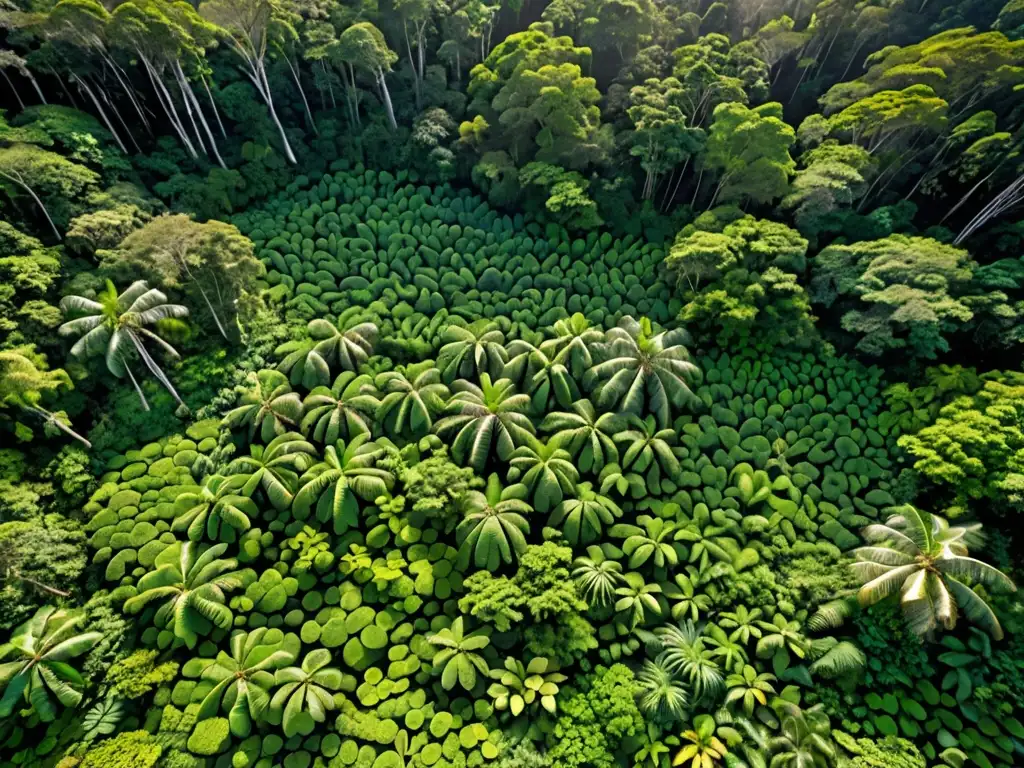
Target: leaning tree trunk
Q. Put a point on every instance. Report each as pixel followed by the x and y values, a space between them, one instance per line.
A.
pixel 17 179
pixel 258 75
pixel 387 99
pixel 190 98
pixel 17 96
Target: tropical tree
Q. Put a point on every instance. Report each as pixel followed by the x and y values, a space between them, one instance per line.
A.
pixel 474 349
pixel 687 602
pixel 805 739
pixel 520 689
pixel 781 635
pixel 34 666
pixel 589 437
pixel 493 528
pixel 333 486
pixel 536 373
pixel 643 371
pixel 344 410
pixel 267 405
pixel 926 560
pixel 546 470
pixel 114 325
pixel 649 449
pixel 362 45
pixel 686 653
pixel 24 382
pixel 217 510
pixel 458 660
pixel 274 468
pixel 190 584
pixel 482 415
pixel 306 693
pixel 661 693
pixel 572 343
pixel 341 346
pixel 652 539
pixel 741 623
pixel 243 677
pixel 597 576
pixel 412 396
pixel 583 517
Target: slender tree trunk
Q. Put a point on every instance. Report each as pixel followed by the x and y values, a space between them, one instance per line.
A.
pixel 668 199
pixel 386 95
pixel 188 93
pixel 138 389
pixel 15 574
pixel 17 96
pixel 64 87
pixel 155 369
pixel 128 90
pixel 259 77
pixel 213 105
pixel 17 179
pixel 302 92
pixel 121 120
pixel 969 193
pixel 50 418
pixel 35 85
pixel 163 96
pixel 412 66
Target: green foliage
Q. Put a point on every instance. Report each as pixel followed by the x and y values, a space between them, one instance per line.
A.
pixel 138 674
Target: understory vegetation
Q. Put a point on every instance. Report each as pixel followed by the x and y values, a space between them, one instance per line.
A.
pixel 570 384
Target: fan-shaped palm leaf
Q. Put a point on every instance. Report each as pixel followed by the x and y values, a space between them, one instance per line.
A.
pixel 274 468
pixel 341 346
pixel 587 436
pixel 482 415
pixel 333 487
pixel 597 577
pixel 583 518
pixel 305 694
pixel 661 693
pixel 216 510
pixel 493 528
pixel 34 665
pixel 458 660
pixel 642 371
pixel 412 397
pixel 546 470
pixel 268 406
pixel 926 560
pixel 190 586
pixel 546 381
pixel 572 344
pixel 472 350
pixel 340 412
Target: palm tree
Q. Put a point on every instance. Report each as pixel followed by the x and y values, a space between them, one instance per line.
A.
pixel 597 576
pixel 305 695
pixel 649 449
pixel 571 345
pixel 274 467
pixel 482 415
pixel 267 406
pixel 583 518
pixel 474 349
pixel 544 379
pixel 342 411
pixel 190 583
pixel 412 397
pixel 587 436
pixel 651 539
pixel 661 693
pixel 334 485
pixel 805 740
pixel 705 749
pixel 342 347
pixel 926 560
pixel 546 470
pixel 493 528
pixel 643 371
pixel 24 384
pixel 458 660
pixel 242 680
pixel 114 325
pixel 781 634
pixel 686 653
pixel 35 668
pixel 216 509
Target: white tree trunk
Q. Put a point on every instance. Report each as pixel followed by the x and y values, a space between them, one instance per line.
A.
pixel 17 179
pixel 102 112
pixel 387 99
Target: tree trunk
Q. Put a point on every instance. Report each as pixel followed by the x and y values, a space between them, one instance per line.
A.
pixel 50 418
pixel 263 86
pixel 163 96
pixel 138 389
pixel 17 179
pixel 102 112
pixel 17 96
pixel 412 66
pixel 121 120
pixel 188 95
pixel 298 84
pixel 387 99
pixel 213 105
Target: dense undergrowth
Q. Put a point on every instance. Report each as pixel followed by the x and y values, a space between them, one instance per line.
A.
pixel 430 386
